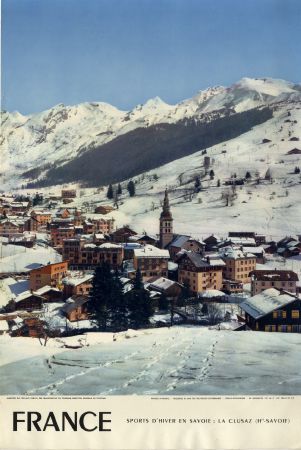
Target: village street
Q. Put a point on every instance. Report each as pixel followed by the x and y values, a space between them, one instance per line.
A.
pixel 175 361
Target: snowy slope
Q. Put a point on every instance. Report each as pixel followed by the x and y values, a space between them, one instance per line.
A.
pixel 64 132
pixel 175 361
pixel 270 208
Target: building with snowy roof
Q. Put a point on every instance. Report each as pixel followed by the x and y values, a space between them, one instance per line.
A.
pixel 273 310
pixel 239 264
pixel 281 279
pixel 200 273
pixel 151 261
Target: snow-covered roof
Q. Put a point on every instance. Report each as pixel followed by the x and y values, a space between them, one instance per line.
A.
pixel 161 284
pixel 76 280
pixel 172 265
pixel 26 295
pixel 149 251
pixel 180 240
pixel 110 245
pixel 209 293
pixel 99 235
pixel 242 241
pixel 254 250
pixel 45 289
pixel 233 253
pixel 267 301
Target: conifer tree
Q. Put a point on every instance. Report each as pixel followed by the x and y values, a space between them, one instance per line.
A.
pixel 110 193
pixel 139 304
pixel 117 305
pixel 98 297
pixel 119 189
pixel 211 174
pixel 131 188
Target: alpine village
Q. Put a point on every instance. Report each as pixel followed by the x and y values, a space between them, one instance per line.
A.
pixel 104 278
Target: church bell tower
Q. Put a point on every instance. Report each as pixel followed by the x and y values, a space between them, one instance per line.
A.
pixel 166 223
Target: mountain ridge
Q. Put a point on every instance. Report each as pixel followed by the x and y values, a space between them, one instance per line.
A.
pixel 63 133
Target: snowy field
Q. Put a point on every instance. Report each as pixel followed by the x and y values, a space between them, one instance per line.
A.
pixel 175 361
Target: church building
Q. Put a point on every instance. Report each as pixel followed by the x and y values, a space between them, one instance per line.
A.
pixel 166 223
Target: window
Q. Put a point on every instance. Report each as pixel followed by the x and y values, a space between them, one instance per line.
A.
pixel 295 314
pixel 278 314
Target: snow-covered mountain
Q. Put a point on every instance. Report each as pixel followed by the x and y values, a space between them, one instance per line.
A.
pixel 63 133
pixel 266 206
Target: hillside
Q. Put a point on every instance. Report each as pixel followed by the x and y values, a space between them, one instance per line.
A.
pixel 32 145
pixel 270 207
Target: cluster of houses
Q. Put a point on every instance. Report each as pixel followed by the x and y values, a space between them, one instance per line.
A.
pixel 170 263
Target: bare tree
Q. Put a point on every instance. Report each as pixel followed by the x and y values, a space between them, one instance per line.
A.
pixel 214 314
pixel 228 195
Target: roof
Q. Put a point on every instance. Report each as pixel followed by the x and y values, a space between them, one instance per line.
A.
pixel 77 279
pixel 277 275
pixel 149 251
pixel 233 253
pixel 110 245
pixel 200 262
pixel 45 289
pixel 179 240
pixel 212 293
pixel 267 301
pixel 74 302
pixel 27 294
pixel 161 283
pixel 242 241
pixel 254 250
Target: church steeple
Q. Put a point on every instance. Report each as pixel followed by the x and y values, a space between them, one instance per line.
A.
pixel 166 223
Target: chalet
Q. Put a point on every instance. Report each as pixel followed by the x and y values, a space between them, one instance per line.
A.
pixel 170 288
pixel 232 286
pixel 238 264
pixel 13 225
pixel 256 251
pixel 19 207
pixel 30 327
pixel 122 234
pixel 238 242
pixel 211 243
pixel 76 308
pixel 49 275
pixel 288 247
pixel 77 284
pixel 146 239
pixel 104 209
pixel 200 273
pixel 28 301
pixel 22 239
pixel 68 193
pixel 273 310
pixel 280 279
pixel 50 294
pixel 64 213
pixel 151 261
pixel 181 242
